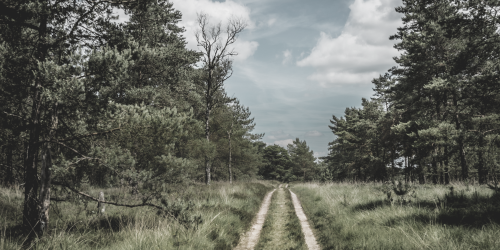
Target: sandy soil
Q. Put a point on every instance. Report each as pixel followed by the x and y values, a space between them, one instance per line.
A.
pixel 250 239
pixel 311 242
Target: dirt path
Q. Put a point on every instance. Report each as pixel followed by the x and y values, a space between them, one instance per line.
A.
pixel 306 229
pixel 252 236
pixel 282 227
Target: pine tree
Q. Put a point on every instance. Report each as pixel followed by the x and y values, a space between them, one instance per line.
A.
pixel 302 158
pixel 88 93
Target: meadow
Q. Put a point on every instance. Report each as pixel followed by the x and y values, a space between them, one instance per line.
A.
pixel 206 217
pixel 361 216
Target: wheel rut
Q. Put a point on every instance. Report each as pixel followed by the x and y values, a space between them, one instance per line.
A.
pixel 250 239
pixel 279 224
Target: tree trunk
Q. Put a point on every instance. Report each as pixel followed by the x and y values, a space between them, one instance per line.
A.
pixel 480 162
pixel 446 167
pixel 406 169
pixel 422 171
pixel 393 164
pixel 229 166
pixel 8 173
pixel 45 177
pixel 31 184
pixel 463 163
pixel 207 134
pixel 44 199
pixel 434 170
pixel 30 208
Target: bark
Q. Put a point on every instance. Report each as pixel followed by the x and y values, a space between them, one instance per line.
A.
pixel 393 164
pixel 463 163
pixel 460 141
pixel 8 173
pixel 207 132
pixel 31 184
pixel 434 170
pixel 30 211
pixel 481 171
pixel 446 169
pixel 44 195
pixel 229 166
pixel 45 177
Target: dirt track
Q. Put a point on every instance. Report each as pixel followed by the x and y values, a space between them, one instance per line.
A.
pixel 311 242
pixel 251 238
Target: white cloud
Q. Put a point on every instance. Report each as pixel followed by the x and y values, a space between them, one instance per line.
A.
pixel 271 21
pixel 362 51
pixel 314 133
pixel 218 12
pixel 287 56
pixel 278 135
pixel 284 143
pixel 245 49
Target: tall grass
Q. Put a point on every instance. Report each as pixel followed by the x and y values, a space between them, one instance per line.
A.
pixel 226 212
pixel 358 216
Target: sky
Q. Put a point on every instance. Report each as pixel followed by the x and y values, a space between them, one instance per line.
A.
pixel 300 62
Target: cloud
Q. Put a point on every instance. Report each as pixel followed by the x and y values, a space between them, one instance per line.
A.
pixel 363 49
pixel 271 21
pixel 245 49
pixel 314 133
pixel 284 143
pixel 218 12
pixel 278 135
pixel 287 56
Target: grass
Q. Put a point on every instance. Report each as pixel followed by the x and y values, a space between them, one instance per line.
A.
pixel 226 212
pixel 358 216
pixel 281 228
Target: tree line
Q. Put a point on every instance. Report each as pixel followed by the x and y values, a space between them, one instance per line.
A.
pixel 435 116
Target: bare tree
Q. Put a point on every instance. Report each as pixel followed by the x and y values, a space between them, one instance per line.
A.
pixel 215 45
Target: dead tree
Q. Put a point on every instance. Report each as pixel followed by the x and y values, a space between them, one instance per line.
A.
pixel 215 46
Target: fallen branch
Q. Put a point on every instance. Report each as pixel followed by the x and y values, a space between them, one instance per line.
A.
pixel 144 204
